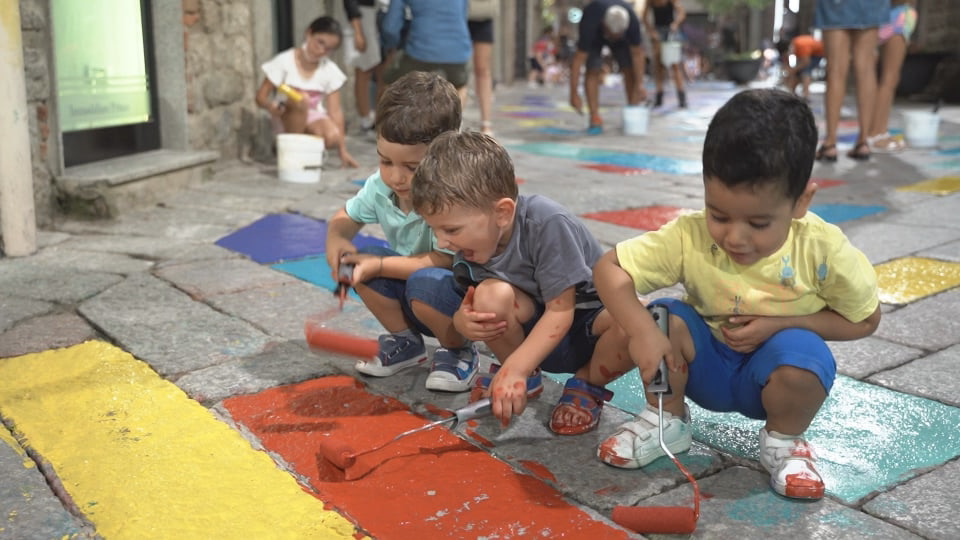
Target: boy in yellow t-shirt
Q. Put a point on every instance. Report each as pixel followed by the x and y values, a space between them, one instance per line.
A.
pixel 766 283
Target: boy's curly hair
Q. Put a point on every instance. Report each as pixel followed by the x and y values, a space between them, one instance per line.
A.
pixel 416 108
pixel 762 137
pixel 462 169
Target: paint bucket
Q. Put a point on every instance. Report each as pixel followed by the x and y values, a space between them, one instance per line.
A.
pixel 670 53
pixel 299 158
pixel 635 119
pixel 920 128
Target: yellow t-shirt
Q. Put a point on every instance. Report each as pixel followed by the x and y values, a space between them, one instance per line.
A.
pixel 816 267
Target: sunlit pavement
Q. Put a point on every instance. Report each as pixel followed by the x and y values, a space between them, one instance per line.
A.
pixel 156 381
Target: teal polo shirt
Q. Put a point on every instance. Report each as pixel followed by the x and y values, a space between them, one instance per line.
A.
pixel 407 234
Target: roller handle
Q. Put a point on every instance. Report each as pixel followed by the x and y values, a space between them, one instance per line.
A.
pixel 474 410
pixel 661 380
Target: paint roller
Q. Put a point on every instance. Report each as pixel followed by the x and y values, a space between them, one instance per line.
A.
pixel 344 457
pixel 321 337
pixel 661 519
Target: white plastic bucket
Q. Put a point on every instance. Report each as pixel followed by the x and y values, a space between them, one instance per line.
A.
pixel 920 128
pixel 635 119
pixel 670 53
pixel 299 158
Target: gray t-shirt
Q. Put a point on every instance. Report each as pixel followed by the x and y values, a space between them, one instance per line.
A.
pixel 550 250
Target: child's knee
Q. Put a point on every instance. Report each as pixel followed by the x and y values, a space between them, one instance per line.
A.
pixel 494 296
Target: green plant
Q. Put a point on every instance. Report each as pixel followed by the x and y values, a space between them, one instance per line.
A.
pixel 723 7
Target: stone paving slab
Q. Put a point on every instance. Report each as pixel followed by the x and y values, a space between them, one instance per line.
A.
pixel 29 508
pixel 58 285
pixel 882 242
pixel 279 310
pixel 933 376
pixel 930 324
pixel 912 506
pixel 48 331
pixel 144 247
pixel 205 278
pixel 867 356
pixel 15 308
pixel 165 328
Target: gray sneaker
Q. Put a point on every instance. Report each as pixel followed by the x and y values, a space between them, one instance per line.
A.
pixel 396 353
pixel 453 369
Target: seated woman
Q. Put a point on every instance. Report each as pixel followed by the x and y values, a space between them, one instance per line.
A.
pixel 311 82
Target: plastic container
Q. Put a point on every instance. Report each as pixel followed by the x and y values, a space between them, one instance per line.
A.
pixel 920 128
pixel 670 52
pixel 299 158
pixel 636 118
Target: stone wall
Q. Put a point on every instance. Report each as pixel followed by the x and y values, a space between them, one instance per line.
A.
pixel 34 24
pixel 221 80
pixel 938 30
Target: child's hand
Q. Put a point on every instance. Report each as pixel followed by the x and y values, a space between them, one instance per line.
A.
pixel 366 268
pixel 646 352
pixel 475 325
pixel 744 333
pixel 508 393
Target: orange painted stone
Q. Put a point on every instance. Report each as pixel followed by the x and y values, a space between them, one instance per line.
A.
pixel 432 484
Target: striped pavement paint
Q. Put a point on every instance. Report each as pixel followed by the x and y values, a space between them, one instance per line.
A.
pixel 139 459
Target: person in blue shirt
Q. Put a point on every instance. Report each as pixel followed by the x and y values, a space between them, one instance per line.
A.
pixel 413 111
pixel 437 40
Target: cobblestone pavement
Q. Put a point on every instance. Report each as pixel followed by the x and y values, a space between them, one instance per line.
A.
pixel 155 380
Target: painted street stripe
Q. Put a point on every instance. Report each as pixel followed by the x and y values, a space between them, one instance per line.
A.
pixel 141 460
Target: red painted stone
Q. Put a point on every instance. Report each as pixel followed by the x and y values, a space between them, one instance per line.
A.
pixel 618 169
pixel 432 484
pixel 649 218
pixel 824 183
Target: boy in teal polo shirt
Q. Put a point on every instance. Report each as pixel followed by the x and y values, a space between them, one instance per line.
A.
pixel 412 112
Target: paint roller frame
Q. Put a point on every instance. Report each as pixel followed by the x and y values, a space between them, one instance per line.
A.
pixel 662 519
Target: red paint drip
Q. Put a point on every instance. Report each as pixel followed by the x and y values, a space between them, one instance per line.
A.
pixel 649 218
pixel 539 470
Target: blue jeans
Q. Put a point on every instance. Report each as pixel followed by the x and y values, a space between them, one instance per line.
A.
pixel 722 379
pixel 437 288
pixel 394 289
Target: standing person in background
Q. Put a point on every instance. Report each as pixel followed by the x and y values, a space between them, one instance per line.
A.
pixel 312 79
pixel 668 15
pixel 809 52
pixel 610 23
pixel 893 37
pixel 437 40
pixel 362 15
pixel 480 23
pixel 850 30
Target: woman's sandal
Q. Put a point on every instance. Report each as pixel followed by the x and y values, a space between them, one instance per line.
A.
pixel 823 155
pixel 860 152
pixel 584 397
pixel 885 143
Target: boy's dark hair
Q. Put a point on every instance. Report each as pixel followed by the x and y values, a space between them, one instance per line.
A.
pixel 326 25
pixel 416 108
pixel 762 137
pixel 465 169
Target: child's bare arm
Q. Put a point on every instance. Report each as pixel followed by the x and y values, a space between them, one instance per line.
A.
pixel 395 266
pixel 340 232
pixel 749 332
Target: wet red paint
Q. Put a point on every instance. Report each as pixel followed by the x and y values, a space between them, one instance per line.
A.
pixel 608 374
pixel 481 440
pixel 648 218
pixel 428 485
pixel 539 470
pixel 618 169
pixel 609 490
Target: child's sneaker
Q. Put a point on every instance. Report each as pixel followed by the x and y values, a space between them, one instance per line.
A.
pixel 789 460
pixel 637 443
pixel 453 369
pixel 534 383
pixel 396 353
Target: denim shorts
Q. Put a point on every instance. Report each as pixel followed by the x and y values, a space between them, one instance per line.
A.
pixel 851 14
pixel 437 288
pixel 395 289
pixel 721 379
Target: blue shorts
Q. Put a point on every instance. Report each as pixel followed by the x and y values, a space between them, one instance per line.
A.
pixel 395 289
pixel 721 379
pixel 437 288
pixel 813 64
pixel 851 14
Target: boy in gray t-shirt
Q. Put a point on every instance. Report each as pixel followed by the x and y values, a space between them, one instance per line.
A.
pixel 523 269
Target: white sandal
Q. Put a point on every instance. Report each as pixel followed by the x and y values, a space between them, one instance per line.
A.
pixel 885 143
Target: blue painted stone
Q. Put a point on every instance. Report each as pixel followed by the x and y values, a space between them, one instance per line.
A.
pixel 626 159
pixel 313 270
pixel 278 237
pixel 836 212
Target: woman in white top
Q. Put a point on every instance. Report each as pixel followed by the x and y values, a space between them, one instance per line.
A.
pixel 316 79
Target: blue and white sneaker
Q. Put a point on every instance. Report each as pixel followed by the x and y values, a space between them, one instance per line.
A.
pixel 396 353
pixel 453 369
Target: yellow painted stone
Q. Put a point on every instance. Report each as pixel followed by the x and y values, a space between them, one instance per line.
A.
pixel 536 122
pixel 7 437
pixel 904 280
pixel 142 460
pixel 944 185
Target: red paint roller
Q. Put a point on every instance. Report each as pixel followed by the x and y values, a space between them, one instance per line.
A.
pixel 321 337
pixel 661 519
